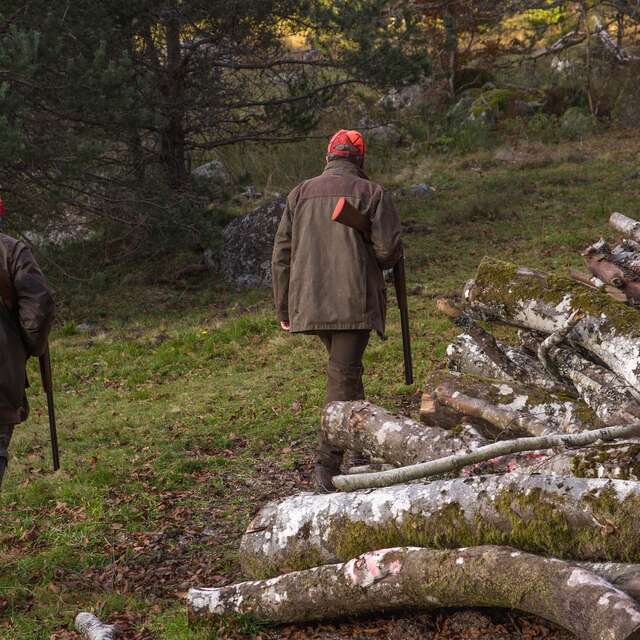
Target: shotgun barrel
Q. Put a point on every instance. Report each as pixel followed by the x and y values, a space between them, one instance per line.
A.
pixel 47 385
pixel 345 213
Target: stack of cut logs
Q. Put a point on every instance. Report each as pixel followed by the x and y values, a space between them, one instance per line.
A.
pixel 519 488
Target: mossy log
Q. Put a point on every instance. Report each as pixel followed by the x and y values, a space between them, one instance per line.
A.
pixel 571 518
pixel 544 303
pixel 365 428
pixel 94 629
pixel 413 578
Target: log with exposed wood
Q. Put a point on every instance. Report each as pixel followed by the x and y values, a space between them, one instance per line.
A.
pixel 94 629
pixel 365 428
pixel 577 518
pixel 544 303
pixel 615 268
pixel 403 578
pixel 558 411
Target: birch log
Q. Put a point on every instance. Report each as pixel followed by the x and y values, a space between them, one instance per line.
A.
pixel 610 398
pixel 94 629
pixel 488 452
pixel 413 578
pixel 577 518
pixel 365 428
pixel 626 226
pixel 465 355
pixel 617 461
pixel 544 303
pixel 560 412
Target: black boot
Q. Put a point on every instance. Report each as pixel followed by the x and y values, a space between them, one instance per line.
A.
pixel 3 466
pixel 327 465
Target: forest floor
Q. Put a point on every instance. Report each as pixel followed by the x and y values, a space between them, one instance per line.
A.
pixel 183 409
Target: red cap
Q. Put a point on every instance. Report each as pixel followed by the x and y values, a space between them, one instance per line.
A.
pixel 347 144
pixel 3 211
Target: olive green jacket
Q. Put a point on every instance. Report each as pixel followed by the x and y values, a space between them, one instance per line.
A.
pixel 326 276
pixel 26 315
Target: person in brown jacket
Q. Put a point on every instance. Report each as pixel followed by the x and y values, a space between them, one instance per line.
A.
pixel 328 279
pixel 26 315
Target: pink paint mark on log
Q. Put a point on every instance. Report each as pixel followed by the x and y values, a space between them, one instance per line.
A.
pixel 370 567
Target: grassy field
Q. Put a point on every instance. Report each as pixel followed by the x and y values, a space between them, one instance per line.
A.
pixel 183 410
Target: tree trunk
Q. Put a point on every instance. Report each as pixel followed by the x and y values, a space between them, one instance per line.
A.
pixel 544 303
pixel 578 518
pixel 94 629
pixel 173 139
pixel 626 226
pixel 412 578
pixel 365 428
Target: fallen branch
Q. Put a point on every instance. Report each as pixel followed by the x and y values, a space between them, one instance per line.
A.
pixel 400 578
pixel 365 428
pixel 94 629
pixel 564 517
pixel 458 461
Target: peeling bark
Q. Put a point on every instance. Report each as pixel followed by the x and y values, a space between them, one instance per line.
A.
pixel 613 401
pixel 94 629
pixel 577 518
pixel 544 303
pixel 365 428
pixel 465 356
pixel 488 452
pixel 401 578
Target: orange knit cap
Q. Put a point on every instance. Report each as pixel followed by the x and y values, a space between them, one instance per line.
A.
pixel 347 144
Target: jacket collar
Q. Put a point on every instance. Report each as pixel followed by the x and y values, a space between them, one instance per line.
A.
pixel 344 168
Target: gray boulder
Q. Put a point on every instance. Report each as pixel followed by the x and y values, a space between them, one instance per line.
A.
pixel 215 171
pixel 248 245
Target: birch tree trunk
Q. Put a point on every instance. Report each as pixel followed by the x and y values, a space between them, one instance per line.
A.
pixel 544 303
pixel 577 518
pixel 365 428
pixel 414 578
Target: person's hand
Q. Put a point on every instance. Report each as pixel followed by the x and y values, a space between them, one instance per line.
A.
pixel 285 325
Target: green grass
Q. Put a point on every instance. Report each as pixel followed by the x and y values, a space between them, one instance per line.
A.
pixel 186 410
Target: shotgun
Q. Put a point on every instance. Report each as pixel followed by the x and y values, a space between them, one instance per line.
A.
pixel 345 213
pixel 47 385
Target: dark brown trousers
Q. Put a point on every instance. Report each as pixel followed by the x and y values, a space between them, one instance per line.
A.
pixel 344 377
